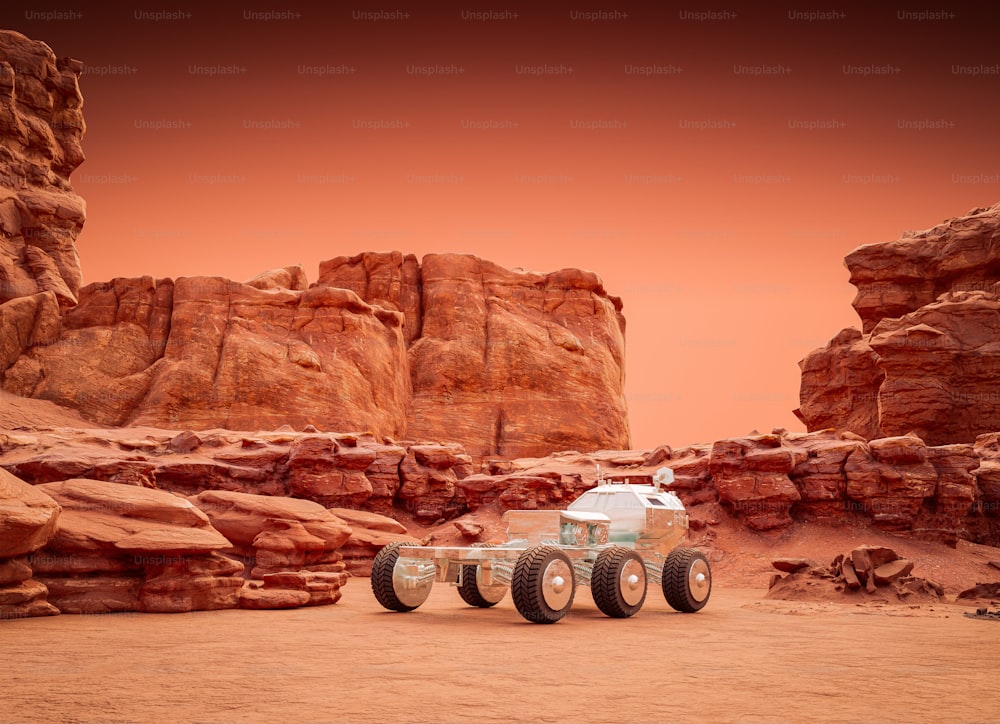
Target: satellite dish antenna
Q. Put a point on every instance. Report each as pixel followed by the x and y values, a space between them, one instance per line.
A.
pixel 664 476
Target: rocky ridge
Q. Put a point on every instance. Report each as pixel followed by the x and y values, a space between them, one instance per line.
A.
pixel 927 359
pixel 764 481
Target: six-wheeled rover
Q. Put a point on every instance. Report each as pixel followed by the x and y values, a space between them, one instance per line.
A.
pixel 616 538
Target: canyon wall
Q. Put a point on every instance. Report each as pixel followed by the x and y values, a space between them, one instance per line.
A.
pixel 927 360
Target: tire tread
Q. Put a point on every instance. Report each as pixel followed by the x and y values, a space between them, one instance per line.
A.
pixel 381 578
pixel 604 582
pixel 675 580
pixel 526 589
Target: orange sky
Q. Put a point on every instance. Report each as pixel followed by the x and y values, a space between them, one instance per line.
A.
pixel 717 192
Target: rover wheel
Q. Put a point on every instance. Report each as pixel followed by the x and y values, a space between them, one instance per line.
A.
pixel 394 587
pixel 687 580
pixel 472 589
pixel 618 582
pixel 543 584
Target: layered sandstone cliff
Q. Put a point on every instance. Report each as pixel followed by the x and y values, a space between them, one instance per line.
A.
pixel 505 362
pixel 41 125
pixel 928 359
pixel 508 363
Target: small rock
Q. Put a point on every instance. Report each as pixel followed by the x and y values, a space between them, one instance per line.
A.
pixel 861 562
pixel 184 442
pixel 469 529
pixel 271 598
pixel 849 575
pixel 775 578
pixel 792 565
pixel 889 572
pixel 981 590
pixel 995 564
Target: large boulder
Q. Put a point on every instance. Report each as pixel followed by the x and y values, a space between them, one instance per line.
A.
pixel 28 520
pixel 28 517
pixel 277 534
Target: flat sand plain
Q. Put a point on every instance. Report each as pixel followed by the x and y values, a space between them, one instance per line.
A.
pixel 741 659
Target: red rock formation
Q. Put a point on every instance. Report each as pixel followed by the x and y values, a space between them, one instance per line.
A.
pixel 332 469
pixel 28 520
pixel 538 368
pixel 865 571
pixel 766 481
pixel 125 548
pixel 504 362
pixel 928 359
pixel 899 277
pixel 206 352
pixel 292 545
pixel 390 280
pixel 515 363
pixel 41 125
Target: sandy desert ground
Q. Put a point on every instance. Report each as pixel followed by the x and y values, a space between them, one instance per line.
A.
pixel 742 659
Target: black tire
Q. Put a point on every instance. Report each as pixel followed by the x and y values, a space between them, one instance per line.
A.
pixel 543 585
pixel 687 580
pixel 612 585
pixel 383 584
pixel 473 592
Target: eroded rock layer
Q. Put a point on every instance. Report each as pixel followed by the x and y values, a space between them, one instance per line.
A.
pixel 766 482
pixel 928 359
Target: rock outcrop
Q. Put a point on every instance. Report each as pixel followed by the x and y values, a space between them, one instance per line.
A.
pixel 120 547
pixel 867 571
pixel 125 548
pixel 767 482
pixel 206 352
pixel 292 547
pixel 334 470
pixel 28 520
pixel 41 125
pixel 928 359
pixel 507 363
pixel 504 363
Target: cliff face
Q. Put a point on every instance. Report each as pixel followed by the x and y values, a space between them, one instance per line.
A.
pixel 41 124
pixel 506 362
pixel 503 362
pixel 928 358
